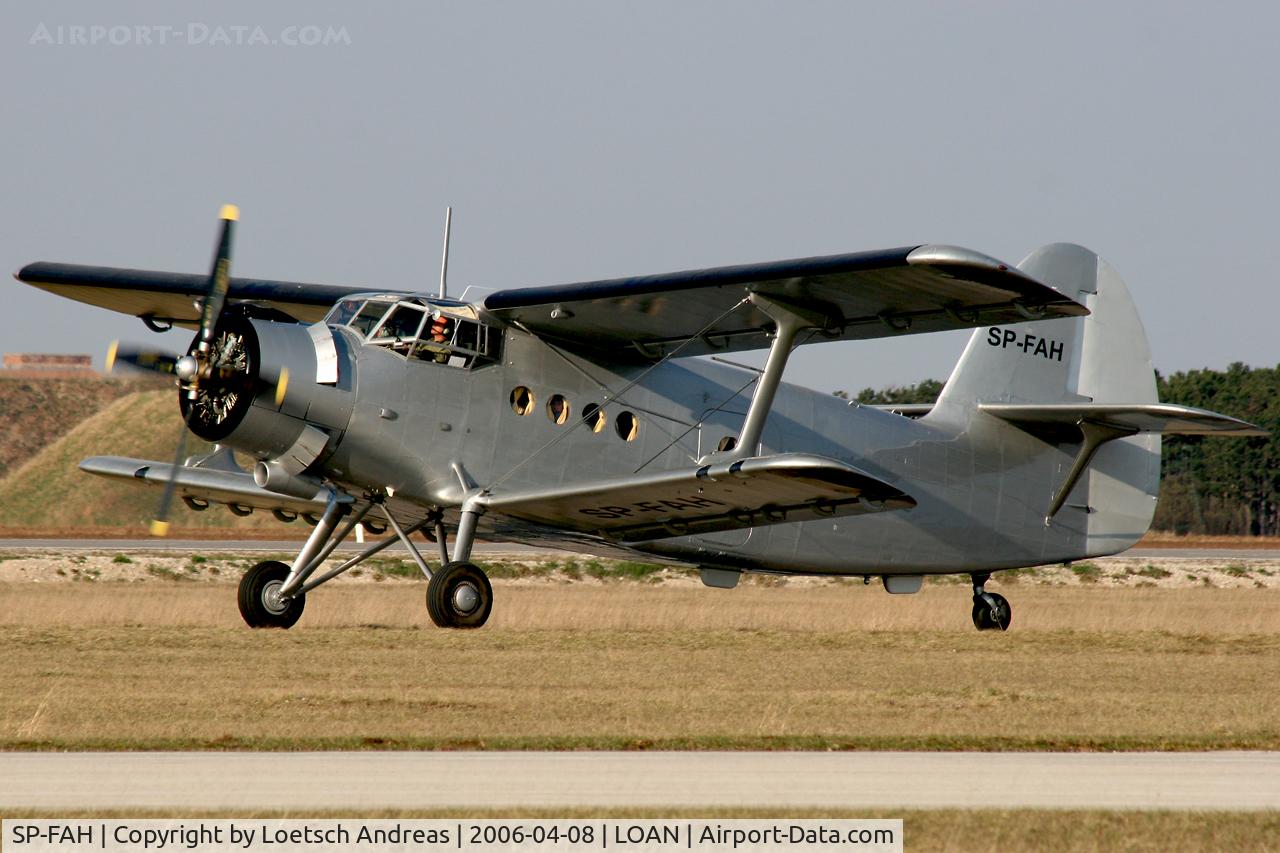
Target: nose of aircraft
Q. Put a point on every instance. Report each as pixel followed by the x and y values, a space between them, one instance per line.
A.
pixel 274 388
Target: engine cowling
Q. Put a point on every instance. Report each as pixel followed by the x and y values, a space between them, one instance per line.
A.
pixel 280 391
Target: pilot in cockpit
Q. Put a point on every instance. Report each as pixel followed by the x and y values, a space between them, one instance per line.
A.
pixel 439 334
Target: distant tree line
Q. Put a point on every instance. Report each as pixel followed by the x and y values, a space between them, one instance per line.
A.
pixel 922 392
pixel 1223 485
pixel 1209 485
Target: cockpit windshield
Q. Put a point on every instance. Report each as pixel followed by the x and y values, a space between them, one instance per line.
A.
pixel 418 329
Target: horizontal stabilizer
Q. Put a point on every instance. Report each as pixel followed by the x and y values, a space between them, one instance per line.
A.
pixel 907 410
pixel 204 484
pixel 1061 421
pixel 789 487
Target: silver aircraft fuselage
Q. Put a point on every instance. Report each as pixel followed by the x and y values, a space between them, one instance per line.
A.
pixel 981 484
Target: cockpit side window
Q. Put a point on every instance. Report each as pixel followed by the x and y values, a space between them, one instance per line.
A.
pixel 342 313
pixel 418 329
pixel 368 317
pixel 400 326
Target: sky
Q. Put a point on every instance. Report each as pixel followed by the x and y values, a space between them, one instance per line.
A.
pixel 590 140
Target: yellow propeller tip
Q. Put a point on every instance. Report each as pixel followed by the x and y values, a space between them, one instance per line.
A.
pixel 282 385
pixel 159 528
pixel 111 355
pixel 229 211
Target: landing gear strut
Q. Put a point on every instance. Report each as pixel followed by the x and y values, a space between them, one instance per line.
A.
pixel 991 610
pixel 272 595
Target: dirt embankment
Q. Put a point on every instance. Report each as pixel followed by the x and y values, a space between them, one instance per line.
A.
pixel 35 411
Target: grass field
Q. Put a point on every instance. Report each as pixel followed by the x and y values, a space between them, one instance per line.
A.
pixel 634 666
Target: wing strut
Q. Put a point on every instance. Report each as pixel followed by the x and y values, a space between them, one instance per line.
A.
pixel 791 320
pixel 1094 436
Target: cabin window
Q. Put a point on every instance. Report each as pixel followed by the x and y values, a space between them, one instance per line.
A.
pixel 521 400
pixel 594 417
pixel 627 426
pixel 558 409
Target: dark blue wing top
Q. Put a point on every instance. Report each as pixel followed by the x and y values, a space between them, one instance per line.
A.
pixel 863 295
pixel 175 297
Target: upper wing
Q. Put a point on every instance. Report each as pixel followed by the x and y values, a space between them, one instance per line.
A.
pixel 176 297
pixel 863 295
pixel 762 490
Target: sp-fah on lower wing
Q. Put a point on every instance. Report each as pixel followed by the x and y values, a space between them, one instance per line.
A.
pixel 788 487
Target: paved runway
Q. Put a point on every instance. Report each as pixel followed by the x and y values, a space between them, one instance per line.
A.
pixel 357 781
pixel 215 546
pixel 209 546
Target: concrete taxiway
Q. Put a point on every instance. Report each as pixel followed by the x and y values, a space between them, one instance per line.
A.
pixel 285 546
pixel 355 781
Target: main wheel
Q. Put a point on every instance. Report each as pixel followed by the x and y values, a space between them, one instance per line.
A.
pixel 459 596
pixel 991 612
pixel 260 602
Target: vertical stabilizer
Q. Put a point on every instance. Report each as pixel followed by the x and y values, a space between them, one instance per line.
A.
pixel 1101 358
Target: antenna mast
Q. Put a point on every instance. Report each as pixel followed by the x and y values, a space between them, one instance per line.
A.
pixel 444 263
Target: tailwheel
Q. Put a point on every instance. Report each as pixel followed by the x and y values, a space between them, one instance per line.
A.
pixel 459 596
pixel 260 601
pixel 991 612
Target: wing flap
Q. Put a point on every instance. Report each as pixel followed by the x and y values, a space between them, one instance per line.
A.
pixel 206 484
pixel 726 496
pixel 909 290
pixel 175 297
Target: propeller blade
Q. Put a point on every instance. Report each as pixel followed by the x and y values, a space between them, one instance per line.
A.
pixel 133 358
pixel 219 279
pixel 160 524
pixel 196 370
pixel 282 385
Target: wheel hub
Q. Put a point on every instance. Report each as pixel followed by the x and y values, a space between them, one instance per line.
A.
pixel 466 598
pixel 271 598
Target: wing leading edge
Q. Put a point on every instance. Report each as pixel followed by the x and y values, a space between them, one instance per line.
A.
pixel 205 484
pixel 908 290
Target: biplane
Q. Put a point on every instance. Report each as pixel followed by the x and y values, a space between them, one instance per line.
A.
pixel 605 417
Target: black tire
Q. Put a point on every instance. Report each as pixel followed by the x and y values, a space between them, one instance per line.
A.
pixel 451 592
pixel 256 604
pixel 992 615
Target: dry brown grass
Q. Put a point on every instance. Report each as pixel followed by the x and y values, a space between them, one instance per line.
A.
pixel 140 666
pixel 621 606
pixel 1169 539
